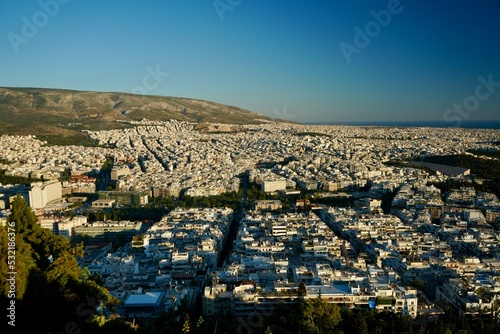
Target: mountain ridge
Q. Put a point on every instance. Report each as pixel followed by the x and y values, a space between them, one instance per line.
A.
pixel 65 112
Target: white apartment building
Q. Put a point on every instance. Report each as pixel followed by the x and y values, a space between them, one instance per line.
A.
pixel 42 193
pixel 67 228
pixel 279 229
pixel 272 186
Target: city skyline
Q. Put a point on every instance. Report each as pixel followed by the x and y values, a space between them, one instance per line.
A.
pixel 375 221
pixel 305 62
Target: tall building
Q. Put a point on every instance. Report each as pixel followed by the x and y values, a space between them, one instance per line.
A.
pixel 42 193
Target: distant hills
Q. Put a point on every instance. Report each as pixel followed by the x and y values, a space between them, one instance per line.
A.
pixel 64 113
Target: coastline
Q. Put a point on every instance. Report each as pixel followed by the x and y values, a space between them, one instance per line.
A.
pixel 491 124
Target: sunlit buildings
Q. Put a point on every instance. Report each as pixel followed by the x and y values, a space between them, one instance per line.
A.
pixel 270 186
pixel 42 193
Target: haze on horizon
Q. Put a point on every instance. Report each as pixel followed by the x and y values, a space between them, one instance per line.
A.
pixel 317 61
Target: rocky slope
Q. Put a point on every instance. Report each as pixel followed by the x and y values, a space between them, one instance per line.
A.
pixel 56 112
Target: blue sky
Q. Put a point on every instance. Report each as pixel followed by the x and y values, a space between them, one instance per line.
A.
pixel 280 58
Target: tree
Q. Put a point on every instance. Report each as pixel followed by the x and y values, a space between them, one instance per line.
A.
pixel 200 322
pixel 418 284
pixel 318 316
pixel 117 326
pixel 361 324
pixel 22 216
pixel 302 290
pixel 51 289
pixel 201 326
pixel 186 328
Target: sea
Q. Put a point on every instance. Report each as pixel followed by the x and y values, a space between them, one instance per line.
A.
pixel 495 124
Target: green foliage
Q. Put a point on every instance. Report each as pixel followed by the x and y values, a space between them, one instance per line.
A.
pixel 8 179
pixel 254 192
pixel 175 322
pixel 24 263
pixel 361 324
pixel 335 201
pixel 51 289
pixel 117 326
pixel 143 213
pixel 493 154
pixel 230 200
pixel 186 328
pixel 492 186
pixel 317 316
pixel 162 202
pixel 59 116
pixel 313 316
pixel 23 217
pixel 418 284
pixel 481 167
pixel 479 323
pixel 200 323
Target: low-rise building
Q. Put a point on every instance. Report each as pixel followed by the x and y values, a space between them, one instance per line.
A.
pixel 103 203
pixel 270 186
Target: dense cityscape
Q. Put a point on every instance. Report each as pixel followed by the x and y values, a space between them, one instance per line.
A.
pixel 271 216
pixel 250 167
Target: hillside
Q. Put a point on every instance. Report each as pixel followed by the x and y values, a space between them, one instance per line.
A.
pixel 64 113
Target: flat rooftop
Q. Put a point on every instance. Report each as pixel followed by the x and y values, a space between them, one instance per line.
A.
pixel 147 299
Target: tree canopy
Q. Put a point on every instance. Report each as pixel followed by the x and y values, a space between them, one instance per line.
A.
pixel 52 291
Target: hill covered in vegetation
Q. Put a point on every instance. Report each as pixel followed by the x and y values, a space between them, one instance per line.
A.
pixel 64 113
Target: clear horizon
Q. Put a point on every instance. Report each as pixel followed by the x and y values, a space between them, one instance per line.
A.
pixel 310 62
